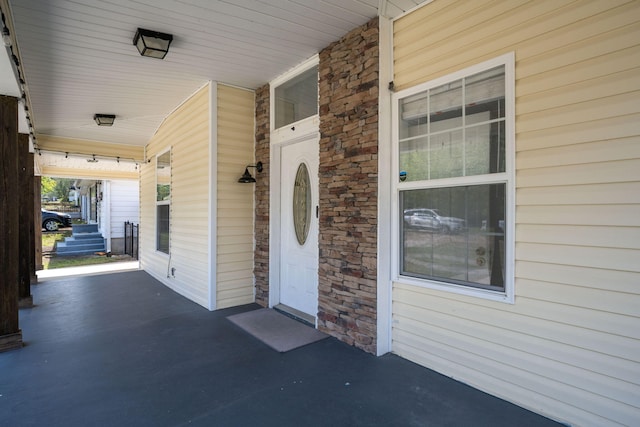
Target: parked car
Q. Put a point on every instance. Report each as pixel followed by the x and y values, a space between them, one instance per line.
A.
pixel 52 220
pixel 431 219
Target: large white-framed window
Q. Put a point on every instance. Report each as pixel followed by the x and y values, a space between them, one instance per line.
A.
pixel 454 151
pixel 163 201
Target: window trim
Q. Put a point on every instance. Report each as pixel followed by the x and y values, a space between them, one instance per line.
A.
pixel 508 177
pixel 162 202
pixel 303 126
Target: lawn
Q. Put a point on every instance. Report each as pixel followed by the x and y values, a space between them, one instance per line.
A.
pixel 50 238
pixel 74 261
pixel 50 260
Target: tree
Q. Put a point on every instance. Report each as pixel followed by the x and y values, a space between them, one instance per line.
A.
pixel 47 185
pixel 56 187
pixel 61 189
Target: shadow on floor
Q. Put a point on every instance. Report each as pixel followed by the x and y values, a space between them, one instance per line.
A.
pixel 121 349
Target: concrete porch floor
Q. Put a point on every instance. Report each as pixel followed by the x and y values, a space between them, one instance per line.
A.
pixel 121 349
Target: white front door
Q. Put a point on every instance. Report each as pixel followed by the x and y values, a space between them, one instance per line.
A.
pixel 299 226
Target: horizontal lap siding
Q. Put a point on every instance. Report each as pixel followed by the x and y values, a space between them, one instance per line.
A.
pixel 73 173
pixel 125 205
pixel 128 153
pixel 569 347
pixel 186 131
pixel 235 201
pixel 77 146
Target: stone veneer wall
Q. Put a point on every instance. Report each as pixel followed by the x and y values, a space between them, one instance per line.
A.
pixel 348 196
pixel 261 254
pixel 349 187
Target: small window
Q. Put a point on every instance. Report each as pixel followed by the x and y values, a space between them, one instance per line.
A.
pixel 163 201
pixel 297 98
pixel 302 204
pixel 455 179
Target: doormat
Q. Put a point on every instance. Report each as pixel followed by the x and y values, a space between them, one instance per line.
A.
pixel 277 330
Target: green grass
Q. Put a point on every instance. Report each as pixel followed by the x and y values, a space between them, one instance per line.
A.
pixel 50 238
pixel 76 261
pixel 50 260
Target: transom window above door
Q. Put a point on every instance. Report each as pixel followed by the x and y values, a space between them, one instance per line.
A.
pixel 297 98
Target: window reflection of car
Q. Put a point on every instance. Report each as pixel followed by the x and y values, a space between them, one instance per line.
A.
pixel 430 219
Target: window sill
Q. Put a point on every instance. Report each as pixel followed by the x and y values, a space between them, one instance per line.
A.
pixel 506 296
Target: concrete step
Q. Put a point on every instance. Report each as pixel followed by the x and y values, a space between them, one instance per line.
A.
pixel 63 247
pixel 84 228
pixel 84 238
pixel 77 252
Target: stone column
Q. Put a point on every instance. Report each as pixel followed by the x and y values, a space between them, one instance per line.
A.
pixel 348 172
pixel 261 226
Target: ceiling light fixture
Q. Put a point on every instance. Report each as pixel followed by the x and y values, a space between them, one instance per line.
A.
pixel 152 43
pixel 104 119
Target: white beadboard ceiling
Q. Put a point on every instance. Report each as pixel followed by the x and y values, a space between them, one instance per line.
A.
pixel 78 58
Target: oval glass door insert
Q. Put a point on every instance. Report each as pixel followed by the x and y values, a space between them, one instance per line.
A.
pixel 302 204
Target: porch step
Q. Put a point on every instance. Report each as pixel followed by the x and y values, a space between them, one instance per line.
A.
pixel 86 240
pixel 84 228
pixel 81 247
pixel 86 236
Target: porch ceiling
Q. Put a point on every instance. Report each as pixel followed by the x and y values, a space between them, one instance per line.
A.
pixel 78 58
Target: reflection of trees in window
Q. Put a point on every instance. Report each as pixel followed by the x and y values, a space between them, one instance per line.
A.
pixel 163 176
pixel 467 245
pixel 455 129
pixel 163 201
pixel 450 136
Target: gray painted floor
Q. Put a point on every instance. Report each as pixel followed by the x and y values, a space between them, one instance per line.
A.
pixel 121 349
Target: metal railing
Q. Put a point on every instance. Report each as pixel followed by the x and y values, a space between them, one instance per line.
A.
pixel 131 233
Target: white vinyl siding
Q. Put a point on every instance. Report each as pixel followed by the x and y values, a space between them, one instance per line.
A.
pixel 235 201
pixel 125 205
pixel 569 347
pixel 186 133
pixel 61 145
pixel 76 166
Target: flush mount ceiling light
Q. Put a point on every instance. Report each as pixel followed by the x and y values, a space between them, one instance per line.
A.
pixel 104 119
pixel 152 43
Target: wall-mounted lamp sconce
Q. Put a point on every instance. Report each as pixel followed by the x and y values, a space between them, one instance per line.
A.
pixel 104 119
pixel 152 43
pixel 246 178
